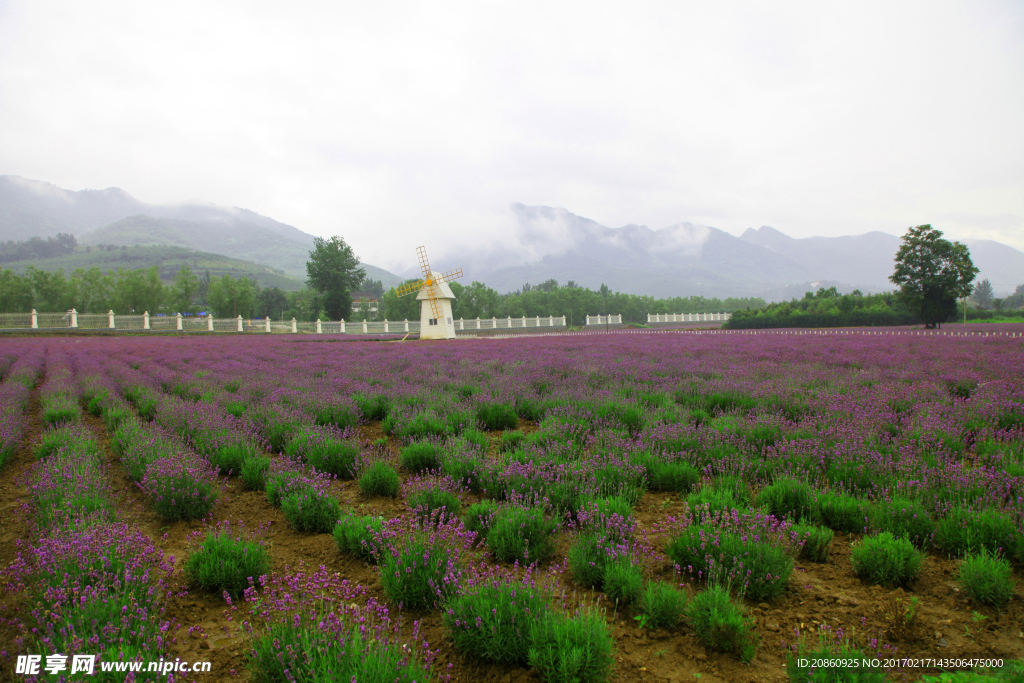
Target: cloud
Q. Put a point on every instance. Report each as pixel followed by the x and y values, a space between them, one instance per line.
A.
pixel 400 124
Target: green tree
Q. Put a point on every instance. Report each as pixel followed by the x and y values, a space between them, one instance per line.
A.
pixel 932 273
pixel 135 291
pixel 15 293
pixel 982 294
pixel 402 307
pixel 272 303
pixel 184 290
pixel 229 297
pixel 333 272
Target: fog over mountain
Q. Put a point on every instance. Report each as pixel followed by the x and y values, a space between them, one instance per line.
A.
pixel 682 259
pixel 688 259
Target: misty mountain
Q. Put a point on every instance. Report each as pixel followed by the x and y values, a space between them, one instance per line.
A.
pixel 30 208
pixel 686 259
pixel 866 261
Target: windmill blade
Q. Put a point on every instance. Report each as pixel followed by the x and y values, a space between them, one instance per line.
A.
pixel 435 308
pixel 409 288
pixel 421 254
pixel 450 275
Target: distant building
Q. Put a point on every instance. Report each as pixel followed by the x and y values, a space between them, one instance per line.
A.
pixel 359 298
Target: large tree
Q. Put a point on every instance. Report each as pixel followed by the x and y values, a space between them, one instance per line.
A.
pixel 932 273
pixel 333 271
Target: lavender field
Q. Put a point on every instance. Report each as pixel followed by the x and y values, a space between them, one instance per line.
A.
pixel 673 506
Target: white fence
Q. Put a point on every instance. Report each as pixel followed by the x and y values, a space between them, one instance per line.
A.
pixel 687 317
pixel 604 319
pixel 109 321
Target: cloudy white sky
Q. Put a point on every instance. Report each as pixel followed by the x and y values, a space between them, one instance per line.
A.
pixel 398 124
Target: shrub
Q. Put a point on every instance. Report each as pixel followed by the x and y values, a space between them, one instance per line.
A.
pixel 357 534
pixel 903 517
pixel 721 625
pixel 434 503
pixel 326 449
pixel 664 475
pixel 475 437
pixel 761 563
pixel 494 416
pixel 987 578
pixel 663 604
pixel 280 483
pixel 510 440
pixel 816 542
pixel 842 512
pixel 964 530
pixel 229 457
pixel 571 650
pixel 418 569
pixel 254 472
pixel 311 509
pixel 420 456
pixel 74 437
pixel 885 559
pixel 466 468
pixel 180 487
pixel 788 498
pixel 226 563
pixel 380 479
pixel 372 407
pixel 623 582
pixel 479 516
pixel 588 558
pixel 491 622
pixel 522 535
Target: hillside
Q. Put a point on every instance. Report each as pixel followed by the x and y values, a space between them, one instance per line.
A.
pixel 32 208
pixel 168 259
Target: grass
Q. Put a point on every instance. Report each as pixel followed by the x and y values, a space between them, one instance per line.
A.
pixel 223 563
pixel 886 560
pixel 492 622
pixel 522 535
pixel 571 649
pixel 721 625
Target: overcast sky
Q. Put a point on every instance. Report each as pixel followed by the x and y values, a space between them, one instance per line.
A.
pixel 400 124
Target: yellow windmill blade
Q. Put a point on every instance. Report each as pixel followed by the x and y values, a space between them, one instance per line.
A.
pixel 421 254
pixel 450 275
pixel 410 287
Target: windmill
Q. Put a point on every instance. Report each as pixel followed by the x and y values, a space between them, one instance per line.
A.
pixel 436 296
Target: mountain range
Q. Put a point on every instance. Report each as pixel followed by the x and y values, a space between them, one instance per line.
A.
pixel 684 259
pixel 30 208
pixel 689 259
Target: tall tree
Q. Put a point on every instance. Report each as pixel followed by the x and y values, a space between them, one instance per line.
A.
pixel 982 294
pixel 932 273
pixel 184 290
pixel 333 272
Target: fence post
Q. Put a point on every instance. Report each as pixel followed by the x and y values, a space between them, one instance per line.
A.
pixel 341 325
pixel 319 328
pixel 386 325
pixel 35 320
pixel 239 323
pixel 145 320
pixel 478 322
pixel 209 323
pixel 462 323
pixel 179 326
pixel 266 324
pixel 110 319
pixel 364 327
pixel 406 325
pixel 294 328
pixel 494 323
pixel 74 318
pixel 509 323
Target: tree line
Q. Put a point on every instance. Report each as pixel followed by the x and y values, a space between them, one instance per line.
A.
pixel 37 248
pixel 477 300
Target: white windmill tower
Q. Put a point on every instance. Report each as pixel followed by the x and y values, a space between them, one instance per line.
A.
pixel 435 298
